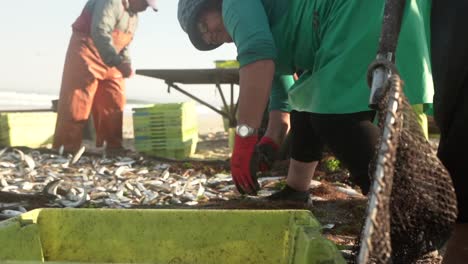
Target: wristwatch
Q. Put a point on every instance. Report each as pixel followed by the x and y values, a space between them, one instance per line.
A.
pixel 245 130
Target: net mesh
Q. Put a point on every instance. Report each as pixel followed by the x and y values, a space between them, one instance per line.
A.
pixel 412 204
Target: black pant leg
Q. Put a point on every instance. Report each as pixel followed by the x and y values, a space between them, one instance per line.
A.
pixel 353 139
pixel 306 144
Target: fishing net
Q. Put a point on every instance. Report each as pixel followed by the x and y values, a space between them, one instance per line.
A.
pixel 412 204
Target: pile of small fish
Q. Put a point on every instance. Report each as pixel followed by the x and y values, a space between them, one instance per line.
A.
pixel 95 181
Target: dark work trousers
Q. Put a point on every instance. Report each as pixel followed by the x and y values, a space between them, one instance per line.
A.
pixel 449 28
pixel 351 137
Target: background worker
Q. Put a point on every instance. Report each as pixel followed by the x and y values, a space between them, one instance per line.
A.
pixel 96 64
pixel 450 70
pixel 333 42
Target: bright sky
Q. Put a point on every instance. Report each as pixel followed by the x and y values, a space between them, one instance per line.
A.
pixel 35 37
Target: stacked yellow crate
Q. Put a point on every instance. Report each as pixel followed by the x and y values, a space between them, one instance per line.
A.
pixel 166 130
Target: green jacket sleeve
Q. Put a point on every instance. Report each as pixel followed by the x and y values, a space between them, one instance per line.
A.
pixel 105 16
pixel 247 23
pixel 279 93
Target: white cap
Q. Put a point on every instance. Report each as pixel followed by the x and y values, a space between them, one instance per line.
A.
pixel 152 4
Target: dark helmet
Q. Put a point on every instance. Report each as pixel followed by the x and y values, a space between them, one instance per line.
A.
pixel 188 13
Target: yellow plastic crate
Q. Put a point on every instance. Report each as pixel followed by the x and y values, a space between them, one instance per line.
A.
pixel 166 236
pixel 30 129
pixel 226 64
pixel 168 149
pixel 166 133
pixel 166 130
pixel 159 115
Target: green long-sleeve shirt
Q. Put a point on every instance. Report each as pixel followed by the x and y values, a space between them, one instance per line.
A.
pixel 333 41
pixel 279 93
pixel 100 18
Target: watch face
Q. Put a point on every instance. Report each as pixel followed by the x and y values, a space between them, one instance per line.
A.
pixel 243 131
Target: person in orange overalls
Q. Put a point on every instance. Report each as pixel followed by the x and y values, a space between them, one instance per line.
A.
pixel 96 64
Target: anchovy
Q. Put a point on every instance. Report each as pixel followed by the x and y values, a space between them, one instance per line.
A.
pixel 61 149
pixel 3 151
pixel 51 187
pixel 74 204
pixel 10 213
pixel 20 153
pixel 78 155
pixel 30 162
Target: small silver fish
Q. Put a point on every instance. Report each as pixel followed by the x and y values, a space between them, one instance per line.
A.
pixel 3 182
pixel 30 162
pixel 51 187
pixel 73 204
pixel 3 151
pixel 61 149
pixel 78 155
pixel 20 153
pixel 349 191
pixel 11 213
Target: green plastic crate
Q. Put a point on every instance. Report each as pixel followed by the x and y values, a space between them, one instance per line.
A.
pixel 227 64
pixel 169 107
pixel 166 236
pixel 180 114
pixel 185 123
pixel 14 119
pixel 168 149
pixel 149 125
pixel 166 130
pixel 30 129
pixel 176 153
pixel 163 135
pixel 148 144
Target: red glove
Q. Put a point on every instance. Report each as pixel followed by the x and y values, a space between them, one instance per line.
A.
pixel 267 151
pixel 244 164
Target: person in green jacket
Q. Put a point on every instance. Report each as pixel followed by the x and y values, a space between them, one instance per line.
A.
pixel 333 42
